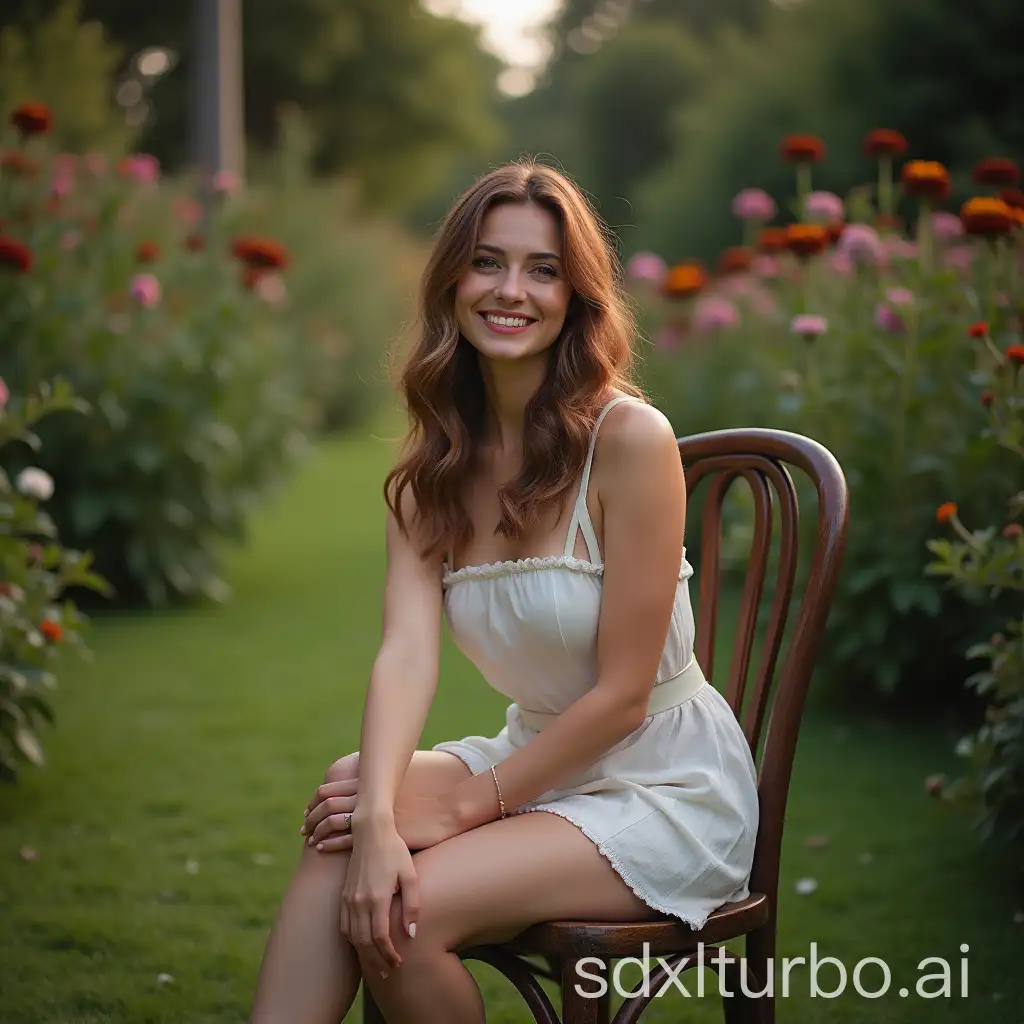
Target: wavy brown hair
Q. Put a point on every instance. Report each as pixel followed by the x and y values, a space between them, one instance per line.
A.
pixel 442 385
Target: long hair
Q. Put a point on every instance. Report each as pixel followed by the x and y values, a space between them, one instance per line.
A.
pixel 442 386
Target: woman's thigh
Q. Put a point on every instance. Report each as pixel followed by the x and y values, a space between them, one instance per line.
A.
pixel 491 883
pixel 430 772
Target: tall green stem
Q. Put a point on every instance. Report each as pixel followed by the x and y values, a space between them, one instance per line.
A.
pixel 885 191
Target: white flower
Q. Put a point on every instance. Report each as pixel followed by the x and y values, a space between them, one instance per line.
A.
pixel 805 886
pixel 36 483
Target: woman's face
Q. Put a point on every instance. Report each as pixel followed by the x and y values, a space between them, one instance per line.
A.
pixel 511 301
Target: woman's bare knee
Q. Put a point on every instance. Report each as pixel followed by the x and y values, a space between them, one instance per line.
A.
pixel 344 768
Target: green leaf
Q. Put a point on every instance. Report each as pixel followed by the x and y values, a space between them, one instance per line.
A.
pixel 29 746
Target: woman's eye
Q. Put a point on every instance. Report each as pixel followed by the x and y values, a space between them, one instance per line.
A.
pixel 480 261
pixel 549 271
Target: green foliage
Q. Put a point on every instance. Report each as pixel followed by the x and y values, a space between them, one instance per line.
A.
pixel 992 560
pixel 837 68
pixel 901 409
pixel 391 92
pixel 69 65
pixel 35 572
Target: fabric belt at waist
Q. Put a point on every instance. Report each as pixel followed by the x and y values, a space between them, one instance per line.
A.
pixel 669 693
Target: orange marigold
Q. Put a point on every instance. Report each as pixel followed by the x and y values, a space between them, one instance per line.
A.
pixel 927 179
pixel 735 260
pixel 802 149
pixel 884 142
pixel 147 252
pixel 986 215
pixel 684 279
pixel 51 630
pixel 978 330
pixel 806 239
pixel 1015 353
pixel 996 170
pixel 32 118
pixel 945 512
pixel 771 240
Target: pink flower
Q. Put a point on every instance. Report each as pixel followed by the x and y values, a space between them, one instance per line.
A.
pixel 646 266
pixel 841 263
pixel 271 289
pixel 900 248
pixel 753 204
pixel 5 394
pixel 900 296
pixel 889 320
pixel 860 242
pixel 226 183
pixel 713 313
pixel 142 167
pixel 946 225
pixel 187 210
pixel 145 290
pixel 70 240
pixel 810 325
pixel 959 257
pixel 62 185
pixel 824 206
pixel 765 266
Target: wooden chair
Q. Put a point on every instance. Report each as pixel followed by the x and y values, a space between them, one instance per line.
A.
pixel 762 457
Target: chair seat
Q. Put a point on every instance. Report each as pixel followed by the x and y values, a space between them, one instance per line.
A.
pixel 665 936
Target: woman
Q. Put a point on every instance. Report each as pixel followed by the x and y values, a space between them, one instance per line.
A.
pixel 577 610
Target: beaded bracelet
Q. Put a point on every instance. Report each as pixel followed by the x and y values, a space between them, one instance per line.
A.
pixel 501 802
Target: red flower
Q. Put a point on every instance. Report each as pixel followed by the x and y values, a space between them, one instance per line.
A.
pixel 925 178
pixel 1011 531
pixel 735 260
pixel 51 630
pixel 945 512
pixel 1013 197
pixel 147 252
pixel 20 164
pixel 32 118
pixel 806 239
pixel 194 243
pixel 988 397
pixel 996 170
pixel 1015 353
pixel 771 240
pixel 978 330
pixel 886 222
pixel 802 149
pixel 884 142
pixel 986 215
pixel 15 256
pixel 260 252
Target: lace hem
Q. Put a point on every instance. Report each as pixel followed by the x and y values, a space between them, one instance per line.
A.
pixel 492 570
pixel 508 568
pixel 695 923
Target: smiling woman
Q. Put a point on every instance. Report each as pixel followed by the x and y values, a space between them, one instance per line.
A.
pixel 519 391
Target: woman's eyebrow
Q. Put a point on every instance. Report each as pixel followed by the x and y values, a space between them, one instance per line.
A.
pixel 529 256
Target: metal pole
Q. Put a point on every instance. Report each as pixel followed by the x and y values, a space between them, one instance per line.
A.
pixel 217 118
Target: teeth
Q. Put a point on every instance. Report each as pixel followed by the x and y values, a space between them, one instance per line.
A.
pixel 506 321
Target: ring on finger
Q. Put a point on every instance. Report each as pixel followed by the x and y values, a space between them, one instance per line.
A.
pixel 347 821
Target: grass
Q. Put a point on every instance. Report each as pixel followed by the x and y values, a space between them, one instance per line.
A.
pixel 166 821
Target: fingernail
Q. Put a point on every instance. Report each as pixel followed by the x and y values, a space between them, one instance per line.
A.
pixel 412 930
pixel 302 831
pixel 319 846
pixel 305 813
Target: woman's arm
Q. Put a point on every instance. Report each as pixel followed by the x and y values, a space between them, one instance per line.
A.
pixel 642 491
pixel 404 675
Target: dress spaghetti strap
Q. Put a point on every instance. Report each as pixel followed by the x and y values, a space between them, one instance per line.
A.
pixel 580 514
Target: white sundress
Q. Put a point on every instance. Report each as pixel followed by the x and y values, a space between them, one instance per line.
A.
pixel 673 807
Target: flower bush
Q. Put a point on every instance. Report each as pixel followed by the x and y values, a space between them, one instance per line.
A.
pixel 991 560
pixel 208 346
pixel 857 332
pixel 35 572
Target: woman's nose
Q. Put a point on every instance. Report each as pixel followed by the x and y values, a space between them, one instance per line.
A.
pixel 510 287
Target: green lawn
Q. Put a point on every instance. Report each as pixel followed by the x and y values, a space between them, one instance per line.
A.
pixel 166 822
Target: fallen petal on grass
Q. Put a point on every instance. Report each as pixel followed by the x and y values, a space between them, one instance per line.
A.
pixel 164 979
pixel 262 859
pixel 192 866
pixel 805 886
pixel 29 853
pixel 816 842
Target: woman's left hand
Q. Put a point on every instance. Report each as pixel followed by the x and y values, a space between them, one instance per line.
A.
pixel 420 821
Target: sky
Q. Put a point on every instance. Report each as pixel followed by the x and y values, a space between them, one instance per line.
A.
pixel 509 30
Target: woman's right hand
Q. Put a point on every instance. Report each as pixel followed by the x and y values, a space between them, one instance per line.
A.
pixel 380 866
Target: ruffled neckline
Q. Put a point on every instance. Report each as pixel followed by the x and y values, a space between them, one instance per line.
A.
pixel 510 567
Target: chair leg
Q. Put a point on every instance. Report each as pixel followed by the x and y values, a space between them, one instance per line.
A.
pixel 371 1011
pixel 584 1009
pixel 738 1006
